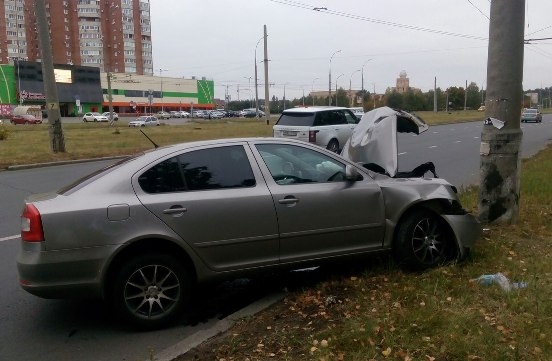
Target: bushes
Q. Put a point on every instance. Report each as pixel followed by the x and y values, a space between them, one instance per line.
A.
pixel 4 132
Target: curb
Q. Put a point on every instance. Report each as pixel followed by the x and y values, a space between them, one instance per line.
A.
pixel 188 343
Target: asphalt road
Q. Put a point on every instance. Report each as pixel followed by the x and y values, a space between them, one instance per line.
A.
pixel 36 329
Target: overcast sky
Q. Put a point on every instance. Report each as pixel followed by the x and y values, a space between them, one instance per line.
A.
pixel 446 39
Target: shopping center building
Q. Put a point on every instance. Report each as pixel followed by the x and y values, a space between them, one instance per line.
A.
pixel 83 89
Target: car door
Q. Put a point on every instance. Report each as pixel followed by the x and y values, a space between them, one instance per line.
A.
pixel 217 203
pixel 320 214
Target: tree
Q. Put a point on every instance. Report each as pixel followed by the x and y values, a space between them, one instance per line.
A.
pixel 394 100
pixel 456 97
pixel 474 96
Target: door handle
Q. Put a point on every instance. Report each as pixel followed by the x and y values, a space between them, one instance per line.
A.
pixel 175 210
pixel 288 200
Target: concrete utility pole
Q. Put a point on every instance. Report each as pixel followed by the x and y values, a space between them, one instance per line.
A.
pixel 267 101
pixel 500 159
pixel 57 140
pixel 435 96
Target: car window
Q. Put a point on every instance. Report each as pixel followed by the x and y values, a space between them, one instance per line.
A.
pixel 215 168
pixel 350 117
pixel 290 164
pixel 297 119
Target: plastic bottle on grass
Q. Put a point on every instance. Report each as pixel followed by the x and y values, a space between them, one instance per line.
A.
pixel 500 279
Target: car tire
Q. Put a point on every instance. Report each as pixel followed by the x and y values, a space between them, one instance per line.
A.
pixel 151 290
pixel 333 146
pixel 422 241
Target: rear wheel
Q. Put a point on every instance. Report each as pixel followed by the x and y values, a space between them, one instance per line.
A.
pixel 423 241
pixel 333 146
pixel 150 291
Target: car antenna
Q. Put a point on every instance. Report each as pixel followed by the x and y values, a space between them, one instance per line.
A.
pixel 152 142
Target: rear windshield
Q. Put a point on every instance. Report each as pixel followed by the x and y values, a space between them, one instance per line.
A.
pixel 78 184
pixel 530 110
pixel 297 119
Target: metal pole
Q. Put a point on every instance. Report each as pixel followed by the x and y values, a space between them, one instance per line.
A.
pixel 366 62
pixel 267 101
pixel 162 100
pixel 330 79
pixel 256 82
pixel 57 140
pixel 312 91
pixel 466 96
pixel 350 85
pixel 435 96
pixel 500 146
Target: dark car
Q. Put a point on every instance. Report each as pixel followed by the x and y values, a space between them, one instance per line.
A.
pixel 25 119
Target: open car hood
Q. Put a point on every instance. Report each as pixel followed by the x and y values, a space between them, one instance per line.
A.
pixel 374 139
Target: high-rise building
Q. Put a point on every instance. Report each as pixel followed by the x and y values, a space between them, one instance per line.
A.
pixel 113 35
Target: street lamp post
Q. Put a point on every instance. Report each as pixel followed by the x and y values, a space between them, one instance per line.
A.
pixel 374 95
pixel 330 79
pixel 249 87
pixel 162 100
pixel 256 88
pixel 366 62
pixel 336 79
pixel 285 95
pixel 312 91
pixel 350 84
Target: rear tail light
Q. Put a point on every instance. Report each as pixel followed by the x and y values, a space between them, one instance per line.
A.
pixel 31 225
pixel 312 136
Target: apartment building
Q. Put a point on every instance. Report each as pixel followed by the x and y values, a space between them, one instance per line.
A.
pixel 113 35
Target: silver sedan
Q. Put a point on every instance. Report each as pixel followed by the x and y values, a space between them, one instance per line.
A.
pixel 142 232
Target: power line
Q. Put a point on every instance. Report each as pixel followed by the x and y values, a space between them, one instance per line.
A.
pixel 375 21
pixel 482 13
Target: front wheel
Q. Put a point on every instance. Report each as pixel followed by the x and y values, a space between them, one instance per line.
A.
pixel 150 291
pixel 423 240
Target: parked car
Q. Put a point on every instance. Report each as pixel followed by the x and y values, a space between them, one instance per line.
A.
pixel 175 114
pixel 328 127
pixel 94 117
pixel 162 115
pixel 252 113
pixel 115 115
pixel 481 108
pixel 140 233
pixel 531 115
pixel 215 114
pixel 358 112
pixel 184 114
pixel 25 119
pixel 144 121
pixel 200 114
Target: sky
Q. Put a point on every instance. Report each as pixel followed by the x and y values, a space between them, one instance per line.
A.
pixel 374 39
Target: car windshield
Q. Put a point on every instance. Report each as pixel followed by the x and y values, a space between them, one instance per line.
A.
pixel 299 119
pixel 534 111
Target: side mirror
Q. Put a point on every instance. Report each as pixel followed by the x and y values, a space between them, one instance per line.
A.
pixel 351 173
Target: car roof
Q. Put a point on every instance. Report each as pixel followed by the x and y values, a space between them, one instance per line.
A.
pixel 312 109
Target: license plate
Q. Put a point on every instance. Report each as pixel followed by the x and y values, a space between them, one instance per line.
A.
pixel 287 133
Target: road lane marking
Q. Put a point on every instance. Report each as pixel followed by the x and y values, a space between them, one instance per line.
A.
pixel 433 146
pixel 10 238
pixel 402 153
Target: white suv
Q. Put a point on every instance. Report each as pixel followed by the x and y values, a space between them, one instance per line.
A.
pixel 328 127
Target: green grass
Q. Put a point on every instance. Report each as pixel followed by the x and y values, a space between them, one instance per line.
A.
pixel 31 144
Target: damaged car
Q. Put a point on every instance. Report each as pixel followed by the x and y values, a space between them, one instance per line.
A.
pixel 143 232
